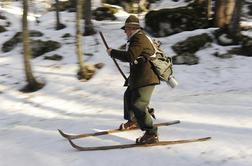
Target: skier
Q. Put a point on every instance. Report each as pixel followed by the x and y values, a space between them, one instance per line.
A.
pixel 141 81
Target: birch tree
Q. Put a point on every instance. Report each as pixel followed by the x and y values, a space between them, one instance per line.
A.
pixel 85 71
pixel 227 16
pixel 32 83
pixel 88 28
pixel 59 25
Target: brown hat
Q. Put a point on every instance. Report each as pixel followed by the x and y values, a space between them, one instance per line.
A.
pixel 131 21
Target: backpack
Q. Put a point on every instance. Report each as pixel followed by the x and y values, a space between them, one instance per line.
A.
pixel 162 64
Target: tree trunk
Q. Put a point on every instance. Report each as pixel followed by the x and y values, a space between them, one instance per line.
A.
pixel 223 12
pixel 88 28
pixel 85 71
pixel 234 26
pixel 209 9
pixel 228 13
pixel 78 34
pixel 33 85
pixel 200 1
pixel 73 3
pixel 58 24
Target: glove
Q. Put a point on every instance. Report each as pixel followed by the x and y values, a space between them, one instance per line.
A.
pixel 109 51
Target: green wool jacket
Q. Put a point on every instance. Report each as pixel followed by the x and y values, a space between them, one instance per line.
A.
pixel 141 74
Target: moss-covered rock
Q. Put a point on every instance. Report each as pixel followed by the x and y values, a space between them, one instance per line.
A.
pixel 223 56
pixel 225 38
pixel 104 13
pixel 17 38
pixel 2 17
pixel 185 58
pixel 40 47
pixel 66 35
pixel 131 6
pixel 250 9
pixel 245 48
pixel 192 44
pixel 166 22
pixel 11 44
pixel 63 5
pixel 54 57
pixel 2 29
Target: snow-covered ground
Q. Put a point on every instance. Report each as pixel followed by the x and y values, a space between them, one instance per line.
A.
pixel 214 98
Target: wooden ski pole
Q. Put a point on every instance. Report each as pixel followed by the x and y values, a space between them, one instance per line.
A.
pixel 118 67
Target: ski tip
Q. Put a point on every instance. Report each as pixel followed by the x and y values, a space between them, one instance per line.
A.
pixel 205 138
pixel 62 133
pixel 175 121
pixel 74 145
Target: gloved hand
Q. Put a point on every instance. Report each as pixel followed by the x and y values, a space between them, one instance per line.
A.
pixel 109 51
pixel 140 59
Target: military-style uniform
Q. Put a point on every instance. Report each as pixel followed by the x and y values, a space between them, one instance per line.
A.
pixel 141 81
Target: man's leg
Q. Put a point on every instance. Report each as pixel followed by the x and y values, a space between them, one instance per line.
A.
pixel 141 99
pixel 128 112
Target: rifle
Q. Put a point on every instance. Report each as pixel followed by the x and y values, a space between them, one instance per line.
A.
pixel 118 67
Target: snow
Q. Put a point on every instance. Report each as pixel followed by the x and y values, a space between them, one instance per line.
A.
pixel 214 98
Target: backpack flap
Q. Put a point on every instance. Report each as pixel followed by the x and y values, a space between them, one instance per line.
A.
pixel 162 66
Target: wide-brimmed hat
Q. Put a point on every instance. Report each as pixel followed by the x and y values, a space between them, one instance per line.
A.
pixel 132 22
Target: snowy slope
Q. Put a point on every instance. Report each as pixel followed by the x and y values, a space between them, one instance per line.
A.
pixel 214 98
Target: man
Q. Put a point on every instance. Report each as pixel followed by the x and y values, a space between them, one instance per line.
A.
pixel 141 81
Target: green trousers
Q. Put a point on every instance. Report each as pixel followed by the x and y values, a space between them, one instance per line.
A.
pixel 136 102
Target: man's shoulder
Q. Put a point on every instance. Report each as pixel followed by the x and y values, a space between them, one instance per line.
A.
pixel 140 35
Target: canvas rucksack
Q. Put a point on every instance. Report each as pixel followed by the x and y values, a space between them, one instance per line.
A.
pixel 162 64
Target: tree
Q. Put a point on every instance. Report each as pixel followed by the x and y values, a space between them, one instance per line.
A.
pixel 33 84
pixel 223 12
pixel 227 17
pixel 58 24
pixel 88 28
pixel 85 71
pixel 234 26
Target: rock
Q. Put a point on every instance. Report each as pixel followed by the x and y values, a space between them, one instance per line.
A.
pixel 11 44
pixel 192 44
pixel 99 65
pixel 54 57
pixel 63 5
pixel 185 58
pixel 104 13
pixel 166 22
pixel 224 38
pixel 40 47
pixel 245 48
pixel 2 17
pixel 223 56
pixel 250 9
pixel 66 35
pixel 17 38
pixel 2 29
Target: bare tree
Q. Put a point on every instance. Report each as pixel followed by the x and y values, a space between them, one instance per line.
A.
pixel 85 71
pixel 227 16
pixel 234 26
pixel 223 12
pixel 59 25
pixel 88 28
pixel 209 9
pixel 33 84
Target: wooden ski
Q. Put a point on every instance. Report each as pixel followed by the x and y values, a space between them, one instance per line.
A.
pixel 124 146
pixel 76 136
